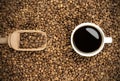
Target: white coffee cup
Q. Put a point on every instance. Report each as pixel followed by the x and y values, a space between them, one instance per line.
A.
pixel 104 40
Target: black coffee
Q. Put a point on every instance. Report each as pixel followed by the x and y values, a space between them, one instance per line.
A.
pixel 87 39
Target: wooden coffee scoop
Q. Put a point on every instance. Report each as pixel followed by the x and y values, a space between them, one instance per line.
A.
pixel 13 40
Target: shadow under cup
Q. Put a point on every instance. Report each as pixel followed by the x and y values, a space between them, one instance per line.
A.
pixel 87 39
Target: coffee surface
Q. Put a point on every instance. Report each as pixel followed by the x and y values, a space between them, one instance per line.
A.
pixel 87 39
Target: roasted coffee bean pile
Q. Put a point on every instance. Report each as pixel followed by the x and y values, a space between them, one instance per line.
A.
pixel 59 62
pixel 32 40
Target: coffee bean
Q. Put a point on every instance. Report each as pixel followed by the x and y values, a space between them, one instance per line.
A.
pixel 32 40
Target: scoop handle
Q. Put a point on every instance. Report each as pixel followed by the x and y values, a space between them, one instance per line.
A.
pixel 3 40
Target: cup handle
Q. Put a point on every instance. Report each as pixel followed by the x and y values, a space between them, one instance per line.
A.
pixel 108 40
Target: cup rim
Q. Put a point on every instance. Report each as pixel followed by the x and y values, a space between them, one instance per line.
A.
pixel 90 53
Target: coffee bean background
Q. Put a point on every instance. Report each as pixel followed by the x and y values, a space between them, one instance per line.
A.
pixel 59 62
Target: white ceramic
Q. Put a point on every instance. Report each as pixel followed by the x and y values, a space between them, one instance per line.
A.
pixel 104 40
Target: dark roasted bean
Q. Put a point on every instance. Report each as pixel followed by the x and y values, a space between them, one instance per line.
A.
pixel 32 40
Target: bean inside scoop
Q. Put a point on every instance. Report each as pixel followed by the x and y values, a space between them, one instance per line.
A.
pixel 31 40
